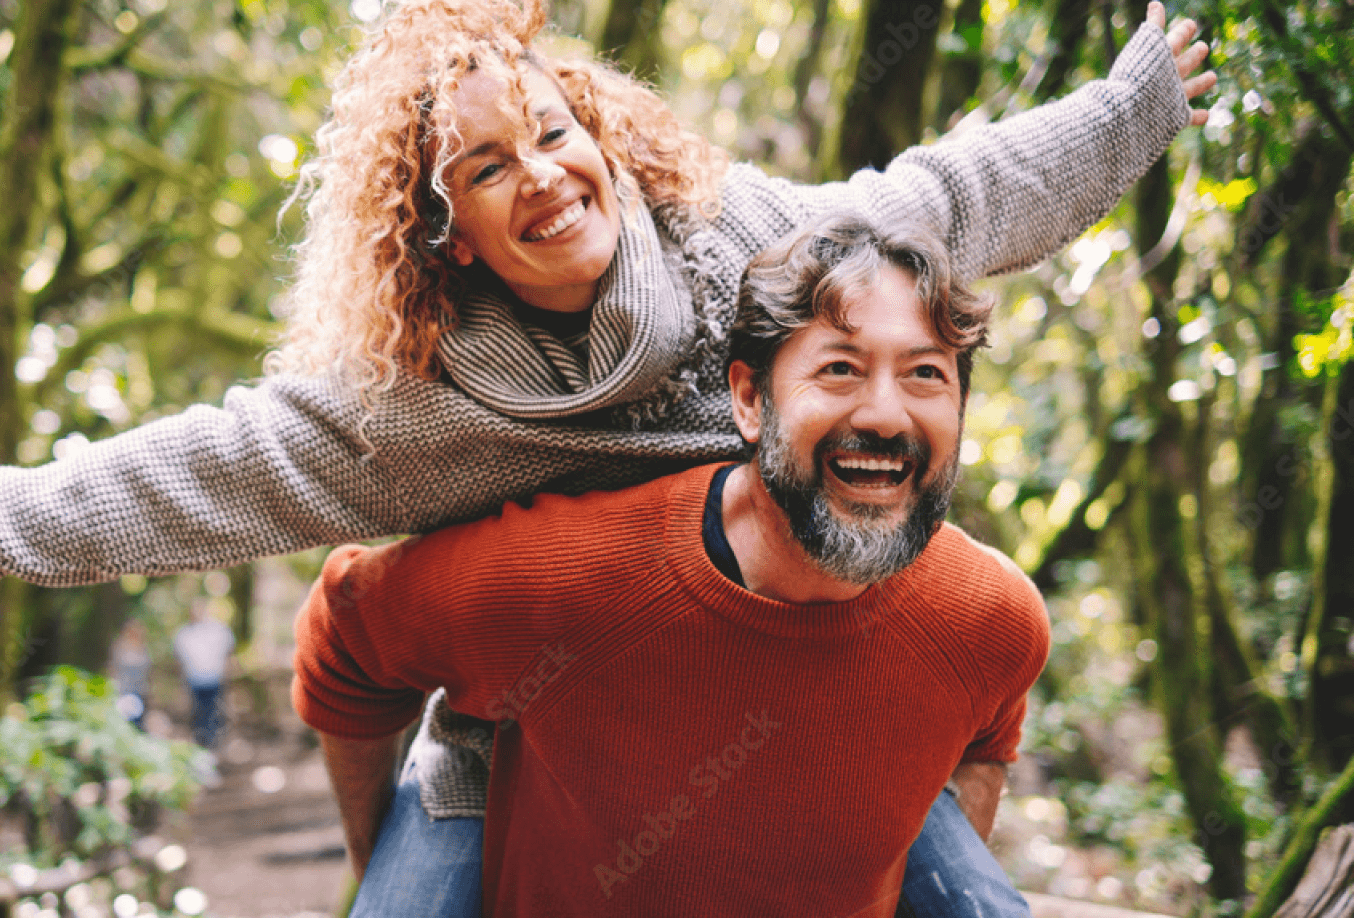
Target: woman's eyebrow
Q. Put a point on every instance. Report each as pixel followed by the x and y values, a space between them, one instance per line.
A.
pixel 478 150
pixel 489 146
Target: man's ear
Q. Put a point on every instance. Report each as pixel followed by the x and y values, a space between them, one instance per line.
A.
pixel 747 401
pixel 460 253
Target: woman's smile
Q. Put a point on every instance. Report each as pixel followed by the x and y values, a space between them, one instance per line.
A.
pixel 533 200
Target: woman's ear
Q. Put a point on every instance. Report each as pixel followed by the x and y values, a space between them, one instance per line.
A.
pixel 747 401
pixel 460 253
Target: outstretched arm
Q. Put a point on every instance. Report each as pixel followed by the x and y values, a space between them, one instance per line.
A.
pixel 279 468
pixel 1007 194
pixel 298 462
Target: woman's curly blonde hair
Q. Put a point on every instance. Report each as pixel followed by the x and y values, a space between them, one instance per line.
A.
pixel 375 286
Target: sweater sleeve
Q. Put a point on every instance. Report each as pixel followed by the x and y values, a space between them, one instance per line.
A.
pixel 467 608
pixel 280 467
pixel 347 679
pixel 1011 664
pixel 1006 195
pixel 298 462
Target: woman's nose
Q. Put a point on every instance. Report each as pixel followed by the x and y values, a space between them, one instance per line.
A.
pixel 543 174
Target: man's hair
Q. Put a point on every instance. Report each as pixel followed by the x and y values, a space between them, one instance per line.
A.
pixel 818 271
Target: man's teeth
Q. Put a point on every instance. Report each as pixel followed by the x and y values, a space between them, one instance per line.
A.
pixel 871 465
pixel 571 215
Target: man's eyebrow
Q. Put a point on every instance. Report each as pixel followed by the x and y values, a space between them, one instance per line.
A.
pixel 921 350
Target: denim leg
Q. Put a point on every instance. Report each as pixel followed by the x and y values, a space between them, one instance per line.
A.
pixel 207 715
pixel 422 867
pixel 951 874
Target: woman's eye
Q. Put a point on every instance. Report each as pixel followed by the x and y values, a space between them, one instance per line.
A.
pixel 485 173
pixel 553 135
pixel 926 371
pixel 839 368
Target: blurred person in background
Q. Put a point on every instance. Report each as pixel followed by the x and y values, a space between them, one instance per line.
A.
pixel 129 668
pixel 203 648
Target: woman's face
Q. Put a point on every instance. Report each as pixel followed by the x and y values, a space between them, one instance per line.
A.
pixel 540 213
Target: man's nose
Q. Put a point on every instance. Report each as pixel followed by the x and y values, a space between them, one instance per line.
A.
pixel 881 408
pixel 543 174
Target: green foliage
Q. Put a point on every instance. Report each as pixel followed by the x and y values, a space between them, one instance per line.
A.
pixel 1329 349
pixel 79 775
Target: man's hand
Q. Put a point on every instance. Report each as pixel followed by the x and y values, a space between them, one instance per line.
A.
pixel 1188 57
pixel 979 785
pixel 360 772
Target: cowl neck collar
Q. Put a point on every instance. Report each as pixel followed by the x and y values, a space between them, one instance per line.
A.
pixel 643 325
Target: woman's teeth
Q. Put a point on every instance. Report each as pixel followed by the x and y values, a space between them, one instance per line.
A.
pixel 571 215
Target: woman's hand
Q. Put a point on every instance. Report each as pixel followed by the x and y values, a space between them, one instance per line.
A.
pixel 1188 57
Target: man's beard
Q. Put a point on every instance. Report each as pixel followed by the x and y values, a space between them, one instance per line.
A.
pixel 866 547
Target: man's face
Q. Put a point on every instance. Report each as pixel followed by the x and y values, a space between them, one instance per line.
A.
pixel 859 440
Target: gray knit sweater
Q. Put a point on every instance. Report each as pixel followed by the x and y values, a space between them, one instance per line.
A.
pixel 296 462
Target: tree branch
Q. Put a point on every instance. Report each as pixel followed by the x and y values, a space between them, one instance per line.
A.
pixel 229 330
pixel 84 60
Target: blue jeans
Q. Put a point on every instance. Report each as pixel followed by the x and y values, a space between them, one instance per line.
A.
pixel 207 716
pixel 951 874
pixel 430 868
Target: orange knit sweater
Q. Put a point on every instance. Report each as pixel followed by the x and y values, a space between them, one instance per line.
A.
pixel 669 743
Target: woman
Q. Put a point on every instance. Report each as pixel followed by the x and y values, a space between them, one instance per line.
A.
pixel 516 275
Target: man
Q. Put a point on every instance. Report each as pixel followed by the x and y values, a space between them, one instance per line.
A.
pixel 735 690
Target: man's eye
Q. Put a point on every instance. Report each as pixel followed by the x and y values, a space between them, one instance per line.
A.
pixel 926 371
pixel 839 368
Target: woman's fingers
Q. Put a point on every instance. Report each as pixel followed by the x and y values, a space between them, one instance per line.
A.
pixel 1188 57
pixel 1156 15
pixel 1181 34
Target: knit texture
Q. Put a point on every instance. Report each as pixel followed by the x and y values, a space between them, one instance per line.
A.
pixel 297 462
pixel 669 743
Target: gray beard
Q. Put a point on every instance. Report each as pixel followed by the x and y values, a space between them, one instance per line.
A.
pixel 866 548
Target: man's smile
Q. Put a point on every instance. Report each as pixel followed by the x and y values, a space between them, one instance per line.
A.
pixel 864 470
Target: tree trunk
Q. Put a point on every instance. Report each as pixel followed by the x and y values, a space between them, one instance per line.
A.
pixel 882 114
pixel 1327 888
pixel 36 79
pixel 808 114
pixel 1300 203
pixel 242 598
pixel 962 69
pixel 1282 879
pixel 632 36
pixel 1332 676
pixel 1066 32
pixel 1163 554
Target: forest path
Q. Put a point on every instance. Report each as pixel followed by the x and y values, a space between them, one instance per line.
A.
pixel 267 842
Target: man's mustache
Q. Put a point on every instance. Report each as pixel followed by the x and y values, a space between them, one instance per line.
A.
pixel 899 446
